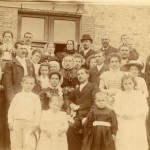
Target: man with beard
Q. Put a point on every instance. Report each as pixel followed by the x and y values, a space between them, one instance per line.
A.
pixel 82 99
pixel 27 41
pixel 14 70
pixel 106 48
pixel 87 42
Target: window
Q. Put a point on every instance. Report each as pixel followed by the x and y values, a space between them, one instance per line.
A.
pixel 33 25
pixel 53 28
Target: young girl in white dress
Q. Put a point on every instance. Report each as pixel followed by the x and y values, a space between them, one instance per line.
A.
pixel 131 109
pixel 53 127
pixel 134 68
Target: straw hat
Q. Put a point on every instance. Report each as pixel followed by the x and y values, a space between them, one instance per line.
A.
pixel 134 63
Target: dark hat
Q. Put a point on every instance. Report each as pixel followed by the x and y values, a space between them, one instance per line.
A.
pixel 134 63
pixel 86 37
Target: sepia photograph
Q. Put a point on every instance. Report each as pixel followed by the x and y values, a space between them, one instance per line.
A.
pixel 74 75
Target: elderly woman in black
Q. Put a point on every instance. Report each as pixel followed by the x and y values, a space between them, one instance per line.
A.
pixel 70 49
pixel 70 80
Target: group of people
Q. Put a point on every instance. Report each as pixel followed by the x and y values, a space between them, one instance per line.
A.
pixel 77 99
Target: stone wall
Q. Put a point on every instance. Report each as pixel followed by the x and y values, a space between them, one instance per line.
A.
pixel 116 20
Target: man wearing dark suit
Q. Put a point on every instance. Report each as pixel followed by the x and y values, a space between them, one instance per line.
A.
pixel 125 55
pixel 82 99
pixel 106 48
pixel 95 72
pixel 87 51
pixel 15 70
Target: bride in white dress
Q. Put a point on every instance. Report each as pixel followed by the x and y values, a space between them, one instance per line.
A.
pixel 131 109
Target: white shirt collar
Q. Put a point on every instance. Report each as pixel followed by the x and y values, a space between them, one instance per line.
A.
pixel 20 59
pixel 82 85
pixel 23 63
pixel 99 67
pixel 105 48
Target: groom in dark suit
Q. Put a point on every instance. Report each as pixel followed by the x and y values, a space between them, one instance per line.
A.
pixel 82 99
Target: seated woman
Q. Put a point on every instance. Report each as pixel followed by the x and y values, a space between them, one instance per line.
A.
pixel 54 66
pixel 53 89
pixel 134 67
pixel 70 80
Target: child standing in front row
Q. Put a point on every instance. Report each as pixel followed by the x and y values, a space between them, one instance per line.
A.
pixel 101 126
pixel 24 115
pixel 53 127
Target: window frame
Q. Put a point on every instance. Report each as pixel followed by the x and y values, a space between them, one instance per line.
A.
pixel 49 25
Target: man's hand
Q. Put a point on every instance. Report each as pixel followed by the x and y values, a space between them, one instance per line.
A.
pixel 74 107
pixel 83 120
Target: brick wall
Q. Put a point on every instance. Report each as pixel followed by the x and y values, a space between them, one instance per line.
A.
pixel 8 20
pixel 97 19
pixel 116 20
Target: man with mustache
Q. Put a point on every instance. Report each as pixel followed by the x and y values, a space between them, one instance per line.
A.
pixel 27 42
pixel 87 42
pixel 106 48
pixel 14 70
pixel 82 99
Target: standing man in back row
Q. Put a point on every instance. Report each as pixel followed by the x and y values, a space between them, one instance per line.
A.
pixel 86 41
pixel 27 39
pixel 106 47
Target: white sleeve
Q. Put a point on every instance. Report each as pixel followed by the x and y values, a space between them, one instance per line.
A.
pixel 145 90
pixel 11 110
pixel 38 111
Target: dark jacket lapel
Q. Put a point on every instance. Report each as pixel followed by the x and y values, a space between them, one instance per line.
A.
pixel 30 67
pixel 85 88
pixel 17 62
pixel 105 67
